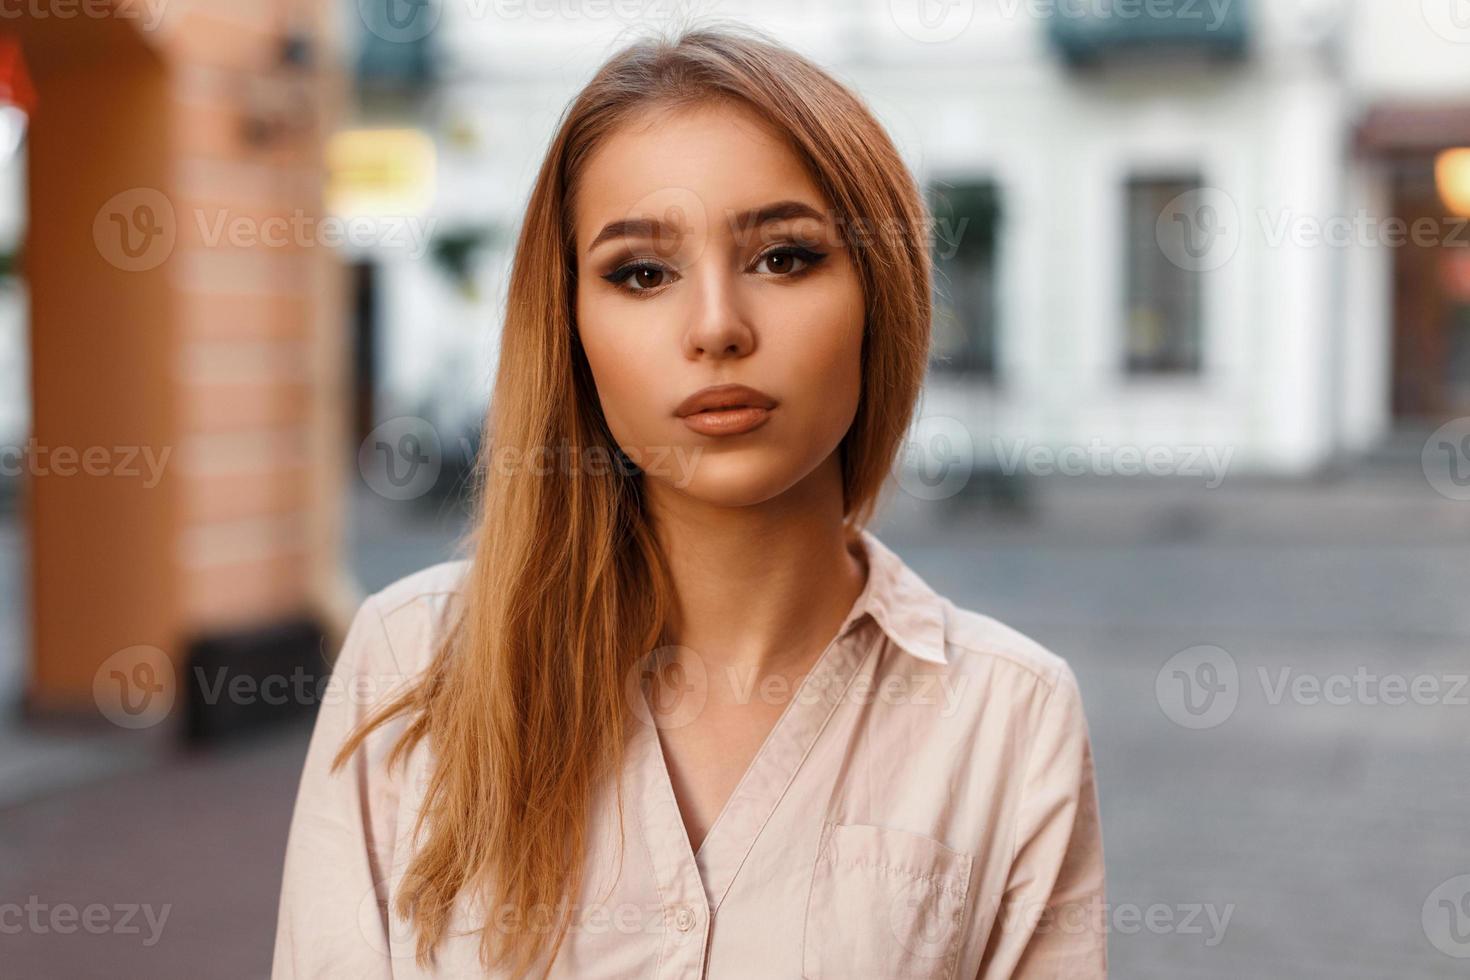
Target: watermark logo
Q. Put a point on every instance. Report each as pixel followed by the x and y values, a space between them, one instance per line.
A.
pixel 937 459
pixel 1198 687
pixel 135 687
pixel 136 230
pixel 669 687
pixel 932 21
pixel 41 918
pixel 1097 458
pixel 148 14
pixel 1450 19
pixel 126 462
pixel 1446 459
pixel 384 931
pixel 1200 230
pixel 401 459
pixel 400 21
pixel 1446 917
pixel 1205 15
pixel 924 915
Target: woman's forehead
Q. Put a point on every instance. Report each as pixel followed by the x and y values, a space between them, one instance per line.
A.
pixel 722 160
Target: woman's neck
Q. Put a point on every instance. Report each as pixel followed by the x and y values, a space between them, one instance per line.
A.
pixel 760 589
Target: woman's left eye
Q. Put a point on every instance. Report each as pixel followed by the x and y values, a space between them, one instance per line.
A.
pixel 789 259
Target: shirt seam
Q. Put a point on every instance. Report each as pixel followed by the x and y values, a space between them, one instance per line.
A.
pixel 398 607
pixel 1047 676
pixel 1026 780
pixel 374 602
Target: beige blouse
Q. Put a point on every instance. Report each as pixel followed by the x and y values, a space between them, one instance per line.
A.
pixel 923 808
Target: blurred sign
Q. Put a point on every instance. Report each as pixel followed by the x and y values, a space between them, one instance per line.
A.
pixel 1089 33
pixel 380 172
pixel 15 82
pixel 1452 177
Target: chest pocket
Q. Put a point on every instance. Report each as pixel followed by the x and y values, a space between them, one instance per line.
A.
pixel 884 904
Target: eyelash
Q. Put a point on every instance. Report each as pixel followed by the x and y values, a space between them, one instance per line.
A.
pixel 619 276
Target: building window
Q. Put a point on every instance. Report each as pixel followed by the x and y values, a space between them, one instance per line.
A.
pixel 1163 300
pixel 965 237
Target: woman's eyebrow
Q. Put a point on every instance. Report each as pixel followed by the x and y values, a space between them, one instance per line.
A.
pixel 742 220
pixel 768 213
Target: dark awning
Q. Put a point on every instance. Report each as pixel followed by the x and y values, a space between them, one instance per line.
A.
pixel 1393 129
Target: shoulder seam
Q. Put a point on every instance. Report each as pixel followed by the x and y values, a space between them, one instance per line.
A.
pixel 1048 677
pixel 375 602
pixel 406 600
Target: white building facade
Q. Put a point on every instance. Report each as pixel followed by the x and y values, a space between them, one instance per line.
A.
pixel 1173 243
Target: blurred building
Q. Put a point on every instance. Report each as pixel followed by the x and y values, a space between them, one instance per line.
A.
pixel 1180 226
pixel 1173 228
pixel 181 472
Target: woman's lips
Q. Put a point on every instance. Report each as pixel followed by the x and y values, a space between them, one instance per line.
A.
pixel 725 410
pixel 727 421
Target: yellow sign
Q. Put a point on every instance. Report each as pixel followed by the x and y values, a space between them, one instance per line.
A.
pixel 1452 176
pixel 380 172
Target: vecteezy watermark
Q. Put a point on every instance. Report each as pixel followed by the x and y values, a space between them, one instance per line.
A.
pixel 667 688
pixel 400 21
pixel 1201 687
pixel 1098 458
pixel 135 230
pixel 1200 230
pixel 1450 19
pixel 1362 228
pixel 401 458
pixel 97 919
pixel 299 229
pixel 409 21
pixel 300 687
pixel 147 13
pixel 937 689
pixel 135 687
pixel 676 464
pixel 931 21
pixel 1446 917
pixel 1209 15
pixel 1095 916
pixel 1198 687
pixel 126 462
pixel 561 11
pixel 1446 459
pixel 670 687
pixel 937 458
pixel 925 910
pixel 1365 687
pixel 138 229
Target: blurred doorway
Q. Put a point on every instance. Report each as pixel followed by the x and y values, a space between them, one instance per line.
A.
pixel 1423 150
pixel 1431 305
pixel 365 316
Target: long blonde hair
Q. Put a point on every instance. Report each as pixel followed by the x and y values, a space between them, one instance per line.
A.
pixel 523 704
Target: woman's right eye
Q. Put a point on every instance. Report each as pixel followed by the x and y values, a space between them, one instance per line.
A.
pixel 637 277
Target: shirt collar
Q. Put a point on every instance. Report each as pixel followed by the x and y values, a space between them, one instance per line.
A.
pixel 907 609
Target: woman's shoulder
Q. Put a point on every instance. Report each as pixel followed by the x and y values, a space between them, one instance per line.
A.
pixel 982 639
pixel 410 615
pixel 435 584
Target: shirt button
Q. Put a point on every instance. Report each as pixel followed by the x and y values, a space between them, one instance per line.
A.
pixel 684 919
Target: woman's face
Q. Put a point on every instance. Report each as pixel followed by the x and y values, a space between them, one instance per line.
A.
pixel 684 283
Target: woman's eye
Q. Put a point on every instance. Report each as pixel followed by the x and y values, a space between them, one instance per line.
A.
pixel 638 277
pixel 788 260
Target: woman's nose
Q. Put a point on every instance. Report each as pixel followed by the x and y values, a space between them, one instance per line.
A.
pixel 719 324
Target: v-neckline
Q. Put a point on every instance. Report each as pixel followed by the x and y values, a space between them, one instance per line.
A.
pixel 729 838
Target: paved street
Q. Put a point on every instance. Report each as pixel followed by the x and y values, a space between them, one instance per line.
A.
pixel 1292 837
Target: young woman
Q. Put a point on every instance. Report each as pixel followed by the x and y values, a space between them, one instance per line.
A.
pixel 681 714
